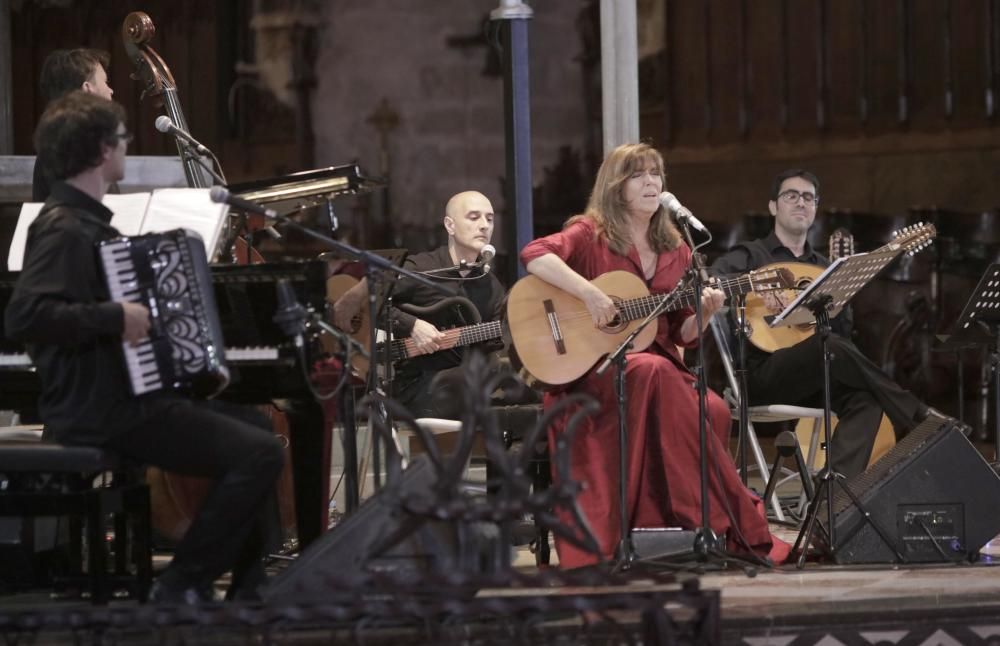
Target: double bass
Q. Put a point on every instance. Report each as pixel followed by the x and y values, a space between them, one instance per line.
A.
pixel 176 499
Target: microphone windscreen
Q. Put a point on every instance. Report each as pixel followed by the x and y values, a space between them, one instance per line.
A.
pixel 163 123
pixel 218 194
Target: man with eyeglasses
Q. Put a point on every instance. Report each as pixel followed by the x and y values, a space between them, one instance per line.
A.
pixel 861 391
pixel 62 311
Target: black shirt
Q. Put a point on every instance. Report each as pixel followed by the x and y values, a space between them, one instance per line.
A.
pixel 61 309
pixel 485 292
pixel 747 256
pixel 41 184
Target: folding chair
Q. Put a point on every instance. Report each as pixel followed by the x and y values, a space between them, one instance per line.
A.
pixel 768 413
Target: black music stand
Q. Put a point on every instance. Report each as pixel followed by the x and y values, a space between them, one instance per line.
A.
pixel 822 300
pixel 979 325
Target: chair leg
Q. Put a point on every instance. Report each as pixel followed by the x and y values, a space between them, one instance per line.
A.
pixel 541 479
pixel 805 496
pixel 758 456
pixel 97 567
pixel 142 540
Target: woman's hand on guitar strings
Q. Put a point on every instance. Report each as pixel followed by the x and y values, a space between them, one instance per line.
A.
pixel 601 307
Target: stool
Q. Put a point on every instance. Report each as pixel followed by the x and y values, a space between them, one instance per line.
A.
pixel 40 478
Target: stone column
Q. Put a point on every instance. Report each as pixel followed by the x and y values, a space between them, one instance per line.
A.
pixel 619 72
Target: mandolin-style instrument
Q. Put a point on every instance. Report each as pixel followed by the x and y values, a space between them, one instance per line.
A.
pixel 759 313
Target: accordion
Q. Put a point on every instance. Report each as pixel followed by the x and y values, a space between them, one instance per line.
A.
pixel 168 273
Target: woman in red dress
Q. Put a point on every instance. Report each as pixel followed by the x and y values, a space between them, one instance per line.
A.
pixel 625 228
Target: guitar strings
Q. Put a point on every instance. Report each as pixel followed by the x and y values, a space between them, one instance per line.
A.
pixel 650 300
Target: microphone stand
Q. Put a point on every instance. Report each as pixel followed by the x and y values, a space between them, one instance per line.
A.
pixel 192 155
pixel 459 267
pixel 375 267
pixel 625 556
pixel 705 542
pixel 740 303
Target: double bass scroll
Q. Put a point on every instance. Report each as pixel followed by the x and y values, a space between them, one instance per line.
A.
pixel 137 30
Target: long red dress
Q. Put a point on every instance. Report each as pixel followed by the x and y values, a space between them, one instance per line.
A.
pixel 662 421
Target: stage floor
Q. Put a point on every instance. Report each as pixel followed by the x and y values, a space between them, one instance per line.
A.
pixel 820 604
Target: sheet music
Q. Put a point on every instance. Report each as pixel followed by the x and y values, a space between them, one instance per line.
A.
pixel 186 208
pixel 793 313
pixel 138 213
pixel 15 256
pixel 842 285
pixel 129 211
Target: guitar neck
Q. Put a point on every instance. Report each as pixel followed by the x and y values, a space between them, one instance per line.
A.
pixel 457 337
pixel 641 307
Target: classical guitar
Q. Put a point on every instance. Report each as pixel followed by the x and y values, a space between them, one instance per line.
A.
pixel 553 336
pixel 759 313
pixel 402 349
pixel 336 286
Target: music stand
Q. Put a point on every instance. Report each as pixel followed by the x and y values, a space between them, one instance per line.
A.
pixel 823 299
pixel 979 325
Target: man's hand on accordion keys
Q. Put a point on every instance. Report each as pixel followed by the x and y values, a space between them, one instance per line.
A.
pixel 136 318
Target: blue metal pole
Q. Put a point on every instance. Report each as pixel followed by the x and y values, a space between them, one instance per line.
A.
pixel 517 127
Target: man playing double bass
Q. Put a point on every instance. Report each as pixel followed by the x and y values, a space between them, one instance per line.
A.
pixel 64 71
pixel 861 391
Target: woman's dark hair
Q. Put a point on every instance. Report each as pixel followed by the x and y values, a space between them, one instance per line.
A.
pixel 72 130
pixel 65 70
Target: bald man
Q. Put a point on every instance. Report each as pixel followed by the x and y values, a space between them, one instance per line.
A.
pixel 468 220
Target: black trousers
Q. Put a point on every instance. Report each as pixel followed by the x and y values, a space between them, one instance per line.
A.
pixel 860 393
pixel 431 394
pixel 233 446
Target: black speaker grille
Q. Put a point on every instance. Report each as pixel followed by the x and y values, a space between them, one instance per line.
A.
pixel 928 431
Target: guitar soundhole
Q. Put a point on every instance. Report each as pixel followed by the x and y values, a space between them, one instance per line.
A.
pixel 617 324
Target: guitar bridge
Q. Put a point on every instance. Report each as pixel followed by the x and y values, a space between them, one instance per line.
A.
pixel 553 318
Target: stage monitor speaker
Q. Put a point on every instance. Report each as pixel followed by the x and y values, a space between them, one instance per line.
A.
pixel 345 551
pixel 933 495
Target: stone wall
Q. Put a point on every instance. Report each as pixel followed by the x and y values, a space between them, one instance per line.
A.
pixel 451 131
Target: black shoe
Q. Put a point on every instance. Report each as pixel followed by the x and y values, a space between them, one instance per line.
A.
pixel 168 592
pixel 959 425
pixel 247 584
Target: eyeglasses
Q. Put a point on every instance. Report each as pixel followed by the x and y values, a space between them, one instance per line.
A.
pixel 791 196
pixel 127 137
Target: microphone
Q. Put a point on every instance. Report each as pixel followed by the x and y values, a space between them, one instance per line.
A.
pixel 290 316
pixel 166 126
pixel 681 213
pixel 487 253
pixel 220 195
